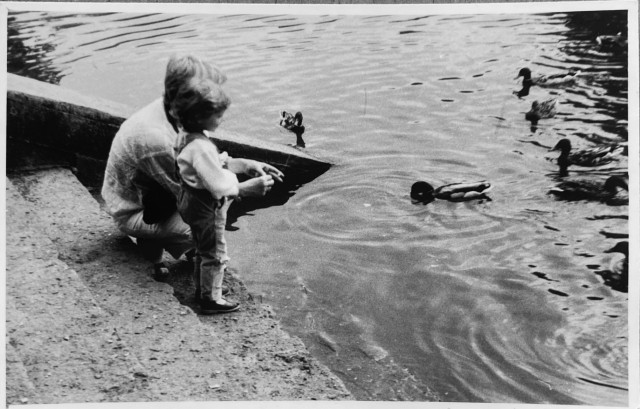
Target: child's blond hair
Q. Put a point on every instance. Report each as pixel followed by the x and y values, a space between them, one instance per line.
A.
pixel 196 101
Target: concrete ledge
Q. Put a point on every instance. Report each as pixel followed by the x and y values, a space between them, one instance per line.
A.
pixel 63 120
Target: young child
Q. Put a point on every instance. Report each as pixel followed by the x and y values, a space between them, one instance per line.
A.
pixel 207 187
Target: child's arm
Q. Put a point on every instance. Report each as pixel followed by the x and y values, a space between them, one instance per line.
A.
pixel 206 163
pixel 262 179
pixel 253 168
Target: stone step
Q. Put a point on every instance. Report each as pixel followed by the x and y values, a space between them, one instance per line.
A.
pixel 167 352
pixel 19 387
pixel 59 338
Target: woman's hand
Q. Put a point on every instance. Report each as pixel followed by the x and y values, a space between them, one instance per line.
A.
pixel 253 168
pixel 256 187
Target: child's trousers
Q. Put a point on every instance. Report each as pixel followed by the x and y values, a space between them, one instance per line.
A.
pixel 207 218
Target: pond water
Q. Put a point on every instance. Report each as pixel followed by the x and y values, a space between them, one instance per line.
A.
pixel 502 300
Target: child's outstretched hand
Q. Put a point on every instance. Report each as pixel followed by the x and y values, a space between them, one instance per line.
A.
pixel 274 172
pixel 254 168
pixel 256 187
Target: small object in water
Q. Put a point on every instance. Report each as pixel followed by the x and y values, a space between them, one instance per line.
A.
pixel 456 192
pixel 542 110
pixel 293 123
pixel 611 191
pixel 553 80
pixel 616 42
pixel 586 157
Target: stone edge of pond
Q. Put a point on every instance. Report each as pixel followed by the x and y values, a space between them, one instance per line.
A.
pixel 87 323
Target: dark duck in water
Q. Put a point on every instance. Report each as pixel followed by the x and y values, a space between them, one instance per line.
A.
pixel 587 157
pixel 553 80
pixel 456 192
pixel 613 191
pixel 293 123
pixel 617 277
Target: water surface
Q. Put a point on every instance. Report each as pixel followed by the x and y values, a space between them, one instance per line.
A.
pixel 491 301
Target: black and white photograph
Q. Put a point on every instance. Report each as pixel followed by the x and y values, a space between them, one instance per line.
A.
pixel 346 204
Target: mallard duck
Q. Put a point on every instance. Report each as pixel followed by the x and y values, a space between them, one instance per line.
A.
pixel 542 110
pixel 587 157
pixel 618 274
pixel 293 123
pixel 456 192
pixel 553 80
pixel 588 189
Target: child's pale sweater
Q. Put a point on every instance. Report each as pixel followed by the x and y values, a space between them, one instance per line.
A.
pixel 201 166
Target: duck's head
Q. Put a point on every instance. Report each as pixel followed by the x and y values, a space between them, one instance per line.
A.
pixel 422 192
pixel 614 182
pixel 524 73
pixel 563 145
pixel 620 247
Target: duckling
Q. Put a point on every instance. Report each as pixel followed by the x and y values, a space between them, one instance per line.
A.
pixel 618 274
pixel 586 189
pixel 587 157
pixel 455 192
pixel 542 110
pixel 553 80
pixel 293 123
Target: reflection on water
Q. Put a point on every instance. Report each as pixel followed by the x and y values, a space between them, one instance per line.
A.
pixel 493 301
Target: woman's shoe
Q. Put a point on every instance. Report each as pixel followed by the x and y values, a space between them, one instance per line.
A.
pixel 217 307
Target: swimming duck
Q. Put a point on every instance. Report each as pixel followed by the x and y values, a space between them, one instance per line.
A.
pixel 293 123
pixel 553 80
pixel 618 274
pixel 587 189
pixel 541 110
pixel 587 157
pixel 456 192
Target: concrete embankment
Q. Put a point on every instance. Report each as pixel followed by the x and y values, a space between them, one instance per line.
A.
pixel 86 322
